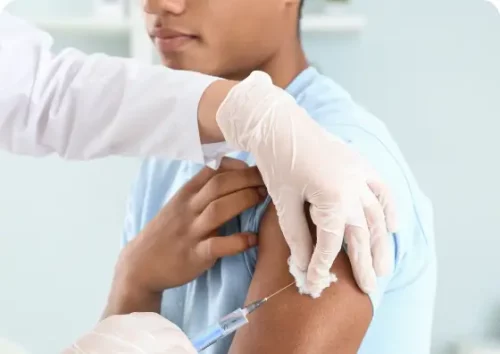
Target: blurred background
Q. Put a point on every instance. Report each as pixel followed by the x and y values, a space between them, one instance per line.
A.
pixel 429 69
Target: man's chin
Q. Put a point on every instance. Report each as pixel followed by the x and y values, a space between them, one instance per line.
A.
pixel 189 66
pixel 174 64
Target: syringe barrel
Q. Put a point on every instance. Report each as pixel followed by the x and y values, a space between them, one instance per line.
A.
pixel 236 319
pixel 226 325
pixel 208 337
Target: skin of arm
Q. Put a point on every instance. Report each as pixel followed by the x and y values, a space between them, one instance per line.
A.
pixel 208 106
pixel 296 324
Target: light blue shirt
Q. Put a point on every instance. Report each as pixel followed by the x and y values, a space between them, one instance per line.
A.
pixel 404 300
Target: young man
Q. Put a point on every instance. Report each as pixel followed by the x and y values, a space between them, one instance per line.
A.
pixel 231 39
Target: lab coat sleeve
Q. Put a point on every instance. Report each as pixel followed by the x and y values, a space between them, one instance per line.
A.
pixel 89 106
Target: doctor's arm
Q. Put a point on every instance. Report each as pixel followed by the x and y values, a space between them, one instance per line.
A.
pixel 88 106
pixel 296 324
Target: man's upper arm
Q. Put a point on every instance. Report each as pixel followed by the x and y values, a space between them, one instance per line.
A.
pixel 293 323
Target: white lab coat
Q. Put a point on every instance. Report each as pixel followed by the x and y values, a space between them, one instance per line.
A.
pixel 88 106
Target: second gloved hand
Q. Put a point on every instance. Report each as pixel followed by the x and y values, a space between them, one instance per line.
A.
pixel 301 162
pixel 133 333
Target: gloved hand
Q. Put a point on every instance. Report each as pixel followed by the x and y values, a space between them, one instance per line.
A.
pixel 134 333
pixel 495 3
pixel 299 161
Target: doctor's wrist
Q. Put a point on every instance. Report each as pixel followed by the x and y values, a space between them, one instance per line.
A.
pixel 209 104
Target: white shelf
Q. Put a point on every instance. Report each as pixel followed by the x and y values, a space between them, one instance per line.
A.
pixel 333 23
pixel 310 23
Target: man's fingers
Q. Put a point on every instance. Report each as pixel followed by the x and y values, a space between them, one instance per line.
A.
pixel 217 247
pixel 228 163
pixel 206 173
pixel 358 251
pixel 330 226
pixel 386 200
pixel 225 183
pixel 221 210
pixel 198 181
pixel 379 241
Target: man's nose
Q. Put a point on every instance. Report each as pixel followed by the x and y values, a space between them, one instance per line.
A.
pixel 156 7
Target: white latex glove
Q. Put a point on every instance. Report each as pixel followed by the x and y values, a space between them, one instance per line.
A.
pixel 134 333
pixel 495 3
pixel 300 161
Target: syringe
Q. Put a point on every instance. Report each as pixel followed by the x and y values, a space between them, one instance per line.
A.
pixel 229 323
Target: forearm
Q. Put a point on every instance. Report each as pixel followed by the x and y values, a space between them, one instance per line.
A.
pixel 128 293
pixel 209 104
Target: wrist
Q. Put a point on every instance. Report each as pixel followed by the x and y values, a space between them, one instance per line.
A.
pixel 128 291
pixel 208 106
pixel 126 298
pixel 250 111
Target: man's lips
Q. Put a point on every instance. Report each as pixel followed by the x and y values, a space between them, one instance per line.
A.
pixel 172 44
pixel 170 41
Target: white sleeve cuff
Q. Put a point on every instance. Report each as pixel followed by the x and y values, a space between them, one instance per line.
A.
pixel 213 153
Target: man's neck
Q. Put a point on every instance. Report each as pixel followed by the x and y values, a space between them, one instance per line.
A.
pixel 284 66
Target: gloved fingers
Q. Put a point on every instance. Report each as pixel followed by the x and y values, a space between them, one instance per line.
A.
pixel 330 227
pixel 217 247
pixel 151 333
pixel 386 200
pixel 495 3
pixel 170 341
pixel 293 223
pixel 358 250
pixel 99 343
pixel 378 235
pixel 134 333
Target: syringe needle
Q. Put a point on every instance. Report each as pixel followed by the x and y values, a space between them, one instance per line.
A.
pixel 255 305
pixel 279 291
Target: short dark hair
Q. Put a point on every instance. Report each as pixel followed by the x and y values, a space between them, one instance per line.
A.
pixel 301 5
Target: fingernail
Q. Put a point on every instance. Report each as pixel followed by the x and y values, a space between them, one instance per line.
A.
pixel 262 191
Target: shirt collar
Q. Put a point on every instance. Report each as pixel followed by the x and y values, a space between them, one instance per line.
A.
pixel 301 81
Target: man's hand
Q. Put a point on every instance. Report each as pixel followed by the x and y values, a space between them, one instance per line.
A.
pixel 134 333
pixel 182 242
pixel 301 162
